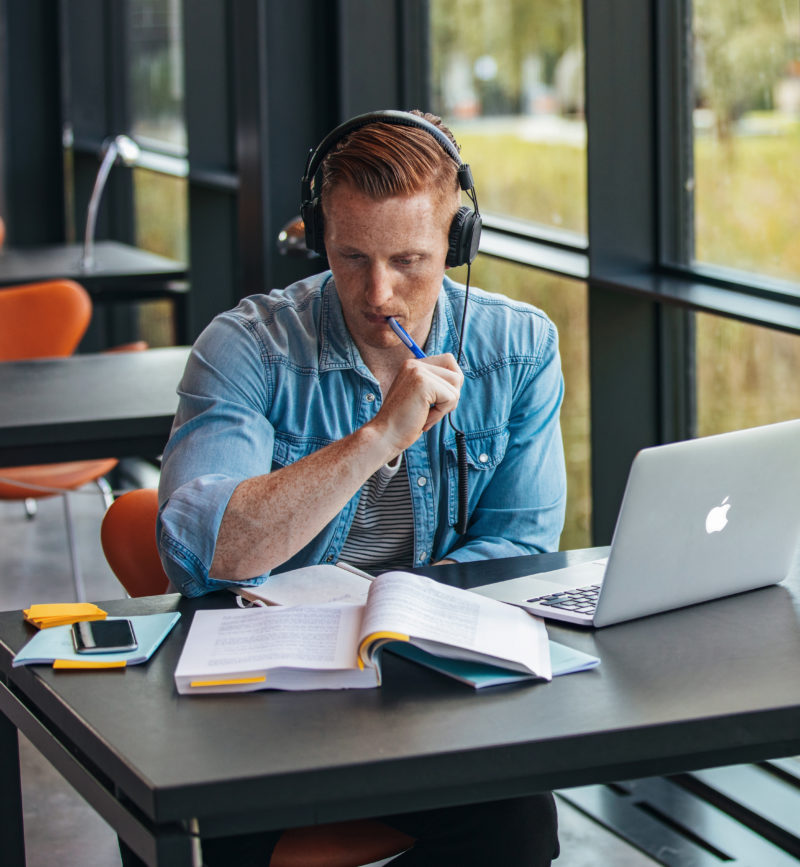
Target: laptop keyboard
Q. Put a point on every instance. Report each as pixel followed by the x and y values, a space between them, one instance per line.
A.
pixel 582 600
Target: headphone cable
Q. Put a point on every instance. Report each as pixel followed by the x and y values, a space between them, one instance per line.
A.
pixel 461 440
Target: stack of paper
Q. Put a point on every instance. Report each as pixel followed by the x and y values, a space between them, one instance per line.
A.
pixel 61 613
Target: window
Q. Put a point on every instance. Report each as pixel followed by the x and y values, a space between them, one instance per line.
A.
pixel 156 73
pixel 746 152
pixel 565 302
pixel 746 375
pixel 508 80
pixel 746 59
pixel 155 78
pixel 161 209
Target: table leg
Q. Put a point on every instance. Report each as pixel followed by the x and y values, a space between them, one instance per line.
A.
pixel 197 847
pixel 12 832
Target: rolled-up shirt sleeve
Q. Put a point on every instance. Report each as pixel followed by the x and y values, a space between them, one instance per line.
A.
pixel 220 437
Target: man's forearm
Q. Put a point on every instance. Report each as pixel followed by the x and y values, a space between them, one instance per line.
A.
pixel 269 518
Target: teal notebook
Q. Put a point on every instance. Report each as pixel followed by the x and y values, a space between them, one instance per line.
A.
pixel 54 645
pixel 563 659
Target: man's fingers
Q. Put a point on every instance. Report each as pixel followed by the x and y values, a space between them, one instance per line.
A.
pixel 445 362
pixel 441 387
pixel 423 392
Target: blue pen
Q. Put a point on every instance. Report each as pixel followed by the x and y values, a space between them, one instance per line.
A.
pixel 405 336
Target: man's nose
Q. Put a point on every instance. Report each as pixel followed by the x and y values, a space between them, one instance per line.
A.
pixel 378 290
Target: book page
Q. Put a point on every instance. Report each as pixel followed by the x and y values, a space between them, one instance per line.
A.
pixel 311 585
pixel 453 622
pixel 225 641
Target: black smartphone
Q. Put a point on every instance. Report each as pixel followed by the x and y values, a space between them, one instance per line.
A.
pixel 103 636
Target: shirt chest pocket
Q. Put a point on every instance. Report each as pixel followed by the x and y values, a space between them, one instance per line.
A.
pixel 290 448
pixel 484 452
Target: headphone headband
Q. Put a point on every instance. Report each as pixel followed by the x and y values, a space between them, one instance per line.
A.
pixel 398 118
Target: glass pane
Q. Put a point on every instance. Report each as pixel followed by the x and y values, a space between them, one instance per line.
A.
pixel 746 375
pixel 566 303
pixel 161 208
pixel 747 135
pixel 161 215
pixel 508 80
pixel 156 73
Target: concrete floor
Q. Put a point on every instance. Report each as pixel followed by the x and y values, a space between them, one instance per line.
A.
pixel 60 828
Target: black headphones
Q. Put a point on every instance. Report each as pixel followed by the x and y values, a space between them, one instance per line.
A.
pixel 465 230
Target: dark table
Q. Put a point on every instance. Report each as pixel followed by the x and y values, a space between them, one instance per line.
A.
pixel 120 273
pixel 88 406
pixel 714 684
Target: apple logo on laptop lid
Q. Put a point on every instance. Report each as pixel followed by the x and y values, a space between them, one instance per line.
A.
pixel 717 518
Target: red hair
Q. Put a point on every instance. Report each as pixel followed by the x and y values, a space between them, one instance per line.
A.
pixel 386 159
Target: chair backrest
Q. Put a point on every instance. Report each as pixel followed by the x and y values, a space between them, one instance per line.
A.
pixel 128 536
pixel 43 320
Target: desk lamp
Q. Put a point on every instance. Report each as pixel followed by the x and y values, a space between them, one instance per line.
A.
pixel 120 149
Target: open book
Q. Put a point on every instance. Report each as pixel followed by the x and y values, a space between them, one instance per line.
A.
pixel 336 646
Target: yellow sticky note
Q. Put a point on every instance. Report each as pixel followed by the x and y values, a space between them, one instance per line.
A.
pixel 87 663
pixel 58 613
pixel 229 682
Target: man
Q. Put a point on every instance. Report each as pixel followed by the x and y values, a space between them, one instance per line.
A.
pixel 308 433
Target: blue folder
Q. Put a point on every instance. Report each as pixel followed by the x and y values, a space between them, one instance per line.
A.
pixel 54 645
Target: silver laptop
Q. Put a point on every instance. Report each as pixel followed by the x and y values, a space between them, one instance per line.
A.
pixel 699 520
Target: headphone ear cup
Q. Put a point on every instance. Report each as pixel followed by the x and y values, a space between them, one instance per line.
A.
pixel 311 212
pixel 464 237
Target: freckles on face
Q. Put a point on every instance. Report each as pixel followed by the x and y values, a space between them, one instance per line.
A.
pixel 387 257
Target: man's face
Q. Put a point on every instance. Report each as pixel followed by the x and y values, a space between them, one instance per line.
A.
pixel 387 257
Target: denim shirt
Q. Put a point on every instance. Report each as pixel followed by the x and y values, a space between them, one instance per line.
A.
pixel 279 377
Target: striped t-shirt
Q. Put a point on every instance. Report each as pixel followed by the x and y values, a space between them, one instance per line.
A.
pixel 382 534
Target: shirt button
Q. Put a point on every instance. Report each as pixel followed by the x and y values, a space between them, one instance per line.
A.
pixel 369 398
pixel 422 556
pixel 483 458
pixel 329 559
pixel 422 481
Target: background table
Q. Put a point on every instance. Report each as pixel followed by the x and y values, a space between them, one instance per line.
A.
pixel 712 684
pixel 88 406
pixel 121 273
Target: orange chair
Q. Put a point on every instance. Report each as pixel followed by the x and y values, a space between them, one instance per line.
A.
pixel 46 320
pixel 128 536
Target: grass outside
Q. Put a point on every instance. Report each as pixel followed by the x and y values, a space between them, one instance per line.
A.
pixel 747 216
pixel 532 180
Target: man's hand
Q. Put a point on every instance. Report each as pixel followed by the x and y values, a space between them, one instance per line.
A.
pixel 423 392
